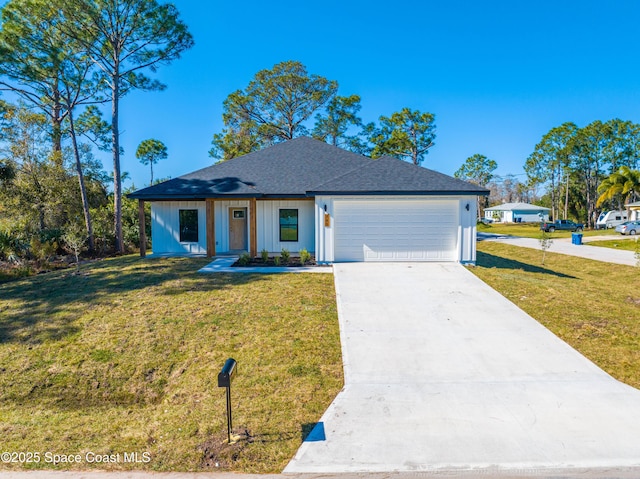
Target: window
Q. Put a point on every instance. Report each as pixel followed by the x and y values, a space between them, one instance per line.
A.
pixel 188 226
pixel 288 225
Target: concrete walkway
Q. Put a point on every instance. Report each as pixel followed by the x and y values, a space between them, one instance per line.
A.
pixel 223 265
pixel 444 375
pixel 564 246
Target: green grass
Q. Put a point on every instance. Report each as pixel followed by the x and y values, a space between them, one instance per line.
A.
pixel 593 306
pixel 124 357
pixel 624 242
pixel 532 230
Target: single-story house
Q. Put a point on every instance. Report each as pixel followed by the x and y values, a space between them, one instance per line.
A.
pixel 305 193
pixel 634 211
pixel 517 213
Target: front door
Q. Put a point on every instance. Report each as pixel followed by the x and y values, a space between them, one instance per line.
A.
pixel 237 229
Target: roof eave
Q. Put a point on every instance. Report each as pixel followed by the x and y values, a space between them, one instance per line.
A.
pixel 396 193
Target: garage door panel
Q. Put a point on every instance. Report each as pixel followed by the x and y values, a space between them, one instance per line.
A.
pixel 391 230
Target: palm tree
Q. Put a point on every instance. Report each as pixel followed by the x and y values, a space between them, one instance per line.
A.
pixel 624 184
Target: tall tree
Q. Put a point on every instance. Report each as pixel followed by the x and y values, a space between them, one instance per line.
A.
pixel 407 134
pixel 623 147
pixel 549 162
pixel 32 54
pixel 336 125
pixel 124 38
pixel 274 107
pixel 477 169
pixel 589 155
pixel 150 152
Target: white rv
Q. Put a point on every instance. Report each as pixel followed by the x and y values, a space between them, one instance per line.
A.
pixel 610 219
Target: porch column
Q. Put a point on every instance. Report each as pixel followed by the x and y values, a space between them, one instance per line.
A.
pixel 210 227
pixel 142 229
pixel 253 234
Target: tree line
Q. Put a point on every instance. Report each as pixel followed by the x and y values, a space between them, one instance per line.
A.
pixel 286 102
pixel 60 60
pixel 586 169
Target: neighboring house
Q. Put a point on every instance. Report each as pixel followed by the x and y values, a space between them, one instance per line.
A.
pixel 634 211
pixel 517 213
pixel 304 193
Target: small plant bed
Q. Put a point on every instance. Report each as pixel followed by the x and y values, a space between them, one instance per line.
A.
pixel 293 262
pixel 284 259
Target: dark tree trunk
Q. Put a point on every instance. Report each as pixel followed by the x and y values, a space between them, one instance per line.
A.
pixel 117 180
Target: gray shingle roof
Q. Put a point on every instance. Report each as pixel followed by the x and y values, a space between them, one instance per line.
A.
pixel 303 167
pixel 388 175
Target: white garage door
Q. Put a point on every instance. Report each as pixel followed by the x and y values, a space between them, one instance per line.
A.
pixel 396 230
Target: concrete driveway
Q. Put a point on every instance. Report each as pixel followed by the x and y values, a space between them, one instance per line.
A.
pixel 444 374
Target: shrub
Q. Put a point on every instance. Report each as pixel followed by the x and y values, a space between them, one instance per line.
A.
pixel 244 259
pixel 305 256
pixel 276 260
pixel 43 250
pixel 12 246
pixel 265 255
pixel 75 239
pixel 285 255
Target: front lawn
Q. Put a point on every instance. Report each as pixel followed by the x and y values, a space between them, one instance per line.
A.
pixel 593 306
pixel 532 230
pixel 124 357
pixel 628 243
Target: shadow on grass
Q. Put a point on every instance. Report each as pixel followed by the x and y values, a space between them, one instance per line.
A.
pixel 49 304
pixel 487 260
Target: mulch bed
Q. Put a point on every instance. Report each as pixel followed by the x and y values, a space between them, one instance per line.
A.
pixel 294 262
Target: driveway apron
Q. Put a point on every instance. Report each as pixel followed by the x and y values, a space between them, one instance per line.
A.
pixel 442 373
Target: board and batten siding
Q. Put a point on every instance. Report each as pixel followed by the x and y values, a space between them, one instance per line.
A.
pixel 269 226
pixel 165 227
pixel 221 212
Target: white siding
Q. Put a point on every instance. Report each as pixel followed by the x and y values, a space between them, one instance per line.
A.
pixel 165 227
pixel 269 226
pixel 396 229
pixel 467 238
pixel 221 212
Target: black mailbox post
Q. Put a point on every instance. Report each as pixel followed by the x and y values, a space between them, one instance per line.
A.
pixel 225 376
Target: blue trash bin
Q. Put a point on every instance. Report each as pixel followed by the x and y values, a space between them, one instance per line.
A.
pixel 576 238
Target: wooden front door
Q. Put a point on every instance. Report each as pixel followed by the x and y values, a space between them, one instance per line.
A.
pixel 237 229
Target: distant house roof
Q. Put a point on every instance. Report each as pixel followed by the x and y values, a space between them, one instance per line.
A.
pixel 633 205
pixel 305 167
pixel 517 207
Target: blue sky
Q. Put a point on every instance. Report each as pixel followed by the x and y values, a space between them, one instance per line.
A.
pixel 497 74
